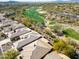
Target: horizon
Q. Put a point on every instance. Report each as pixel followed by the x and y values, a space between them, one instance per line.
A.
pixel 41 0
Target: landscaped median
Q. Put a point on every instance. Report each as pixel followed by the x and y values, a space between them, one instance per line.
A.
pixel 71 33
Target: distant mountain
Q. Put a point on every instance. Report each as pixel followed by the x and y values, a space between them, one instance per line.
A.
pixel 58 1
pixel 74 0
pixel 67 1
pixel 12 1
pixel 9 3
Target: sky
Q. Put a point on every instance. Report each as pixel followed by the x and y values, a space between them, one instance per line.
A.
pixel 38 0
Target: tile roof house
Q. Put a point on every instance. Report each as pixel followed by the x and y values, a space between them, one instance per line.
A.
pixel 55 55
pixel 29 38
pixel 36 49
pixel 7 29
pixel 18 32
pixel 12 27
pixel 17 26
pixel 6 22
pixel 41 49
pixel 6 45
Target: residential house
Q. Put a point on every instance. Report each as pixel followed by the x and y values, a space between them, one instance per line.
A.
pixel 36 50
pixel 55 55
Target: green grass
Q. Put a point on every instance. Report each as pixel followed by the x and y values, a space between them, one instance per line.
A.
pixel 71 33
pixel 34 15
pixel 52 22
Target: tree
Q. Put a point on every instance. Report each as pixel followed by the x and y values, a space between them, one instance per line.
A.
pixel 3 35
pixel 69 51
pixel 10 54
pixel 59 45
pixel 57 28
pixel 62 47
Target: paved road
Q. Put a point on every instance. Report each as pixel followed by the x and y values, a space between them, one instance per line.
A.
pixel 66 14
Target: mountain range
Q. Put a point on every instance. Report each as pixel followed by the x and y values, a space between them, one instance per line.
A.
pixel 11 1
